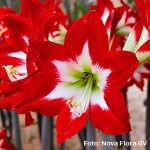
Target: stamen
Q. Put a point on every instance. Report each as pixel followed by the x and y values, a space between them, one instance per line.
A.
pixel 68 101
pixel 3 30
pixel 13 73
pixel 12 70
pixel 78 107
pixel 73 103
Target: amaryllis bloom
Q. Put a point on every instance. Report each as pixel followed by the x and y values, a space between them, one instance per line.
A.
pixel 48 21
pixel 14 64
pixel 14 49
pixel 15 70
pixel 138 42
pixel 118 21
pixel 124 20
pixel 4 144
pixel 143 71
pixel 47 18
pixel 89 83
pixel 15 67
pixel 37 19
pixel 79 80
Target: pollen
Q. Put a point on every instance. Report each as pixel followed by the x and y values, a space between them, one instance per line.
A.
pixel 3 30
pixel 68 102
pixel 12 70
pixel 73 103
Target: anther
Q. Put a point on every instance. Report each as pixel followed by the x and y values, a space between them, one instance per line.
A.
pixel 74 103
pixel 12 70
pixel 68 102
pixel 3 30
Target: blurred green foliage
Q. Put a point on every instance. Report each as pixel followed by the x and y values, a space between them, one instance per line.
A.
pixel 15 4
pixel 2 3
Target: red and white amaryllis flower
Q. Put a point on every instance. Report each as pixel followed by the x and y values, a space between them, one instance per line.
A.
pixel 138 42
pixel 124 20
pixel 48 22
pixel 78 80
pixel 118 21
pixel 40 20
pixel 13 64
pixel 47 18
pixel 88 80
pixel 15 67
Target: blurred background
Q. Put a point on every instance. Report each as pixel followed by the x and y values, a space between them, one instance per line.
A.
pixel 30 137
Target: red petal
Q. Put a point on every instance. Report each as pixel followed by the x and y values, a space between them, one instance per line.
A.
pixel 41 85
pixel 43 106
pixel 68 127
pixel 51 19
pixel 89 28
pixel 7 88
pixel 12 22
pixel 9 92
pixel 6 11
pixel 32 57
pixel 4 143
pixel 139 84
pixel 112 121
pixel 48 3
pixel 3 133
pixel 122 65
pixel 28 119
pixel 133 37
pixel 105 4
pixel 31 9
pixel 49 51
pixel 145 47
pixel 34 100
pixel 146 75
pixel 142 12
pixel 118 42
pixel 147 6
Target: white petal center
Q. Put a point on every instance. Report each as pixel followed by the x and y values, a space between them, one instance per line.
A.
pixel 81 83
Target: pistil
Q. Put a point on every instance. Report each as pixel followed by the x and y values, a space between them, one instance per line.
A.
pixel 79 106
